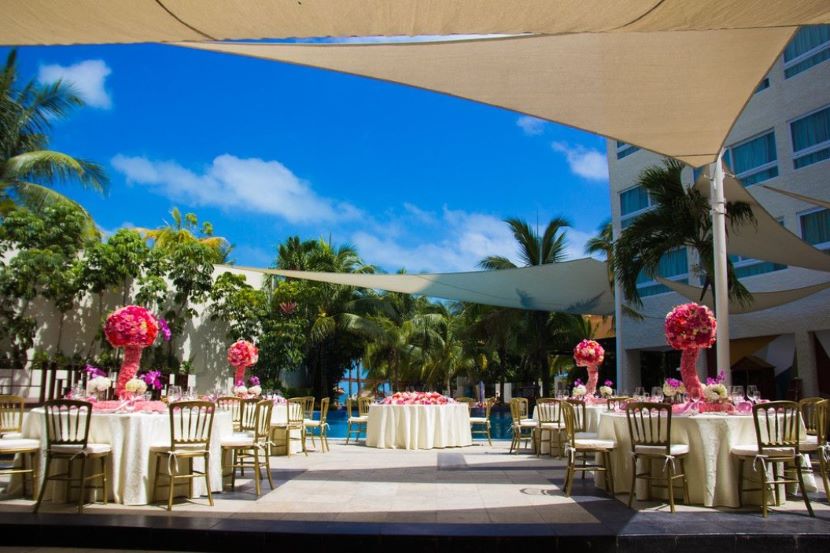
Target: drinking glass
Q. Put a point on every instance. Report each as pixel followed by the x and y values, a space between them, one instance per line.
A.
pixel 752 393
pixel 174 393
pixel 639 393
pixel 191 392
pixel 657 393
pixel 736 393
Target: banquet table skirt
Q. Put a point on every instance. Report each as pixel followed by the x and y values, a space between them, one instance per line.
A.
pixel 711 471
pixel 279 416
pixel 418 426
pixel 131 465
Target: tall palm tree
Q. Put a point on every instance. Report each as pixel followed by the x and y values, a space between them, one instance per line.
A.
pixel 603 244
pixel 184 230
pixel 535 249
pixel 28 168
pixel 680 218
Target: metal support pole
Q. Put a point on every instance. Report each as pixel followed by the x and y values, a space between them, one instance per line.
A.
pixel 721 282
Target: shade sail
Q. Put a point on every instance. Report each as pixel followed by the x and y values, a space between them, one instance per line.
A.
pixel 125 21
pixel 807 199
pixel 760 300
pixel 578 287
pixel 766 238
pixel 646 89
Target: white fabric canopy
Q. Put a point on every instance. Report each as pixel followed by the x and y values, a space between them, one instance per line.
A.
pixel 760 300
pixel 766 238
pixel 808 199
pixel 125 21
pixel 579 287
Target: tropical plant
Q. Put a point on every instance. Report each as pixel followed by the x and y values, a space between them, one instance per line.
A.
pixel 28 168
pixel 603 244
pixel 184 231
pixel 680 218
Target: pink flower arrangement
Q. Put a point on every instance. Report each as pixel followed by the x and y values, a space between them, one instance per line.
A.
pixel 131 326
pixel 588 352
pixel 690 326
pixel 241 355
pixel 417 398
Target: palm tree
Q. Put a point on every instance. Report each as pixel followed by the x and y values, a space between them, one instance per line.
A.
pixel 535 249
pixel 28 169
pixel 680 219
pixel 185 230
pixel 603 244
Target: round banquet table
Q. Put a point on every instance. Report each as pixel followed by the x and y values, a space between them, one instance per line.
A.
pixel 710 469
pixel 419 426
pixel 131 434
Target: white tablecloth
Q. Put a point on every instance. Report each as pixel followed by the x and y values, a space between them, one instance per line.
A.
pixel 711 471
pixel 418 426
pixel 279 416
pixel 131 435
pixel 592 413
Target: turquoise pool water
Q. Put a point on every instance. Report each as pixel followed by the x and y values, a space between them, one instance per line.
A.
pixel 499 423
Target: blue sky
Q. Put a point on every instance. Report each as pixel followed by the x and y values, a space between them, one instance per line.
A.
pixel 265 150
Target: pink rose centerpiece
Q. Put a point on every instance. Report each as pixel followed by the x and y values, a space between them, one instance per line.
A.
pixel 132 328
pixel 241 355
pixel 689 328
pixel 417 398
pixel 588 353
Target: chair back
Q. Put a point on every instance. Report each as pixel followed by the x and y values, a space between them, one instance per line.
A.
pixel 549 411
pixel 234 405
pixel 350 406
pixel 67 422
pixel 823 421
pixel 649 424
pixel 808 407
pixel 262 419
pixel 468 400
pixel 295 410
pixel 580 414
pixel 616 403
pixel 308 407
pixel 488 406
pixel 777 425
pixel 363 404
pixel 247 414
pixel 518 409
pixel 11 413
pixel 324 409
pixel 569 418
pixel 191 423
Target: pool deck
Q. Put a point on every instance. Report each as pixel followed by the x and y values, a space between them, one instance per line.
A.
pixel 476 497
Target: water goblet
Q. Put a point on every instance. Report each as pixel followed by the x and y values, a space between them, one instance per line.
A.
pixel 657 394
pixel 639 393
pixel 736 394
pixel 174 393
pixel 752 393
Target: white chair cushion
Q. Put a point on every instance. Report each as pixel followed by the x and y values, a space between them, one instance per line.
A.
pixel 478 420
pixel 585 435
pixel 364 418
pixel 530 423
pixel 594 444
pixel 90 449
pixel 550 426
pixel 809 439
pixel 16 435
pixel 751 450
pixel 16 444
pixel 309 421
pixel 313 424
pixel 238 440
pixel 166 448
pixel 675 449
pixel 808 447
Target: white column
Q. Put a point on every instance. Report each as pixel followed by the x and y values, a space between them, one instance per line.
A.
pixel 721 283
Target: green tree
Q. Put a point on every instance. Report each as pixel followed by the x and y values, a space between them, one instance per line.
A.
pixel 185 231
pixel 237 303
pixel 680 218
pixel 603 244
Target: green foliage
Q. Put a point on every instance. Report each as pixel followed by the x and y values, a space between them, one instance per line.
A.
pixel 237 303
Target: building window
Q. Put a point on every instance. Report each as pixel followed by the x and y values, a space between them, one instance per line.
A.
pixel 815 228
pixel 810 46
pixel 748 266
pixel 811 138
pixel 674 265
pixel 633 202
pixel 763 85
pixel 624 149
pixel 754 160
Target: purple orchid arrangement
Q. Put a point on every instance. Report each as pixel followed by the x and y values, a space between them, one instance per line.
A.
pixel 253 381
pixel 165 329
pixel 578 382
pixel 152 379
pixel 93 372
pixel 717 380
pixel 673 382
pixel 609 383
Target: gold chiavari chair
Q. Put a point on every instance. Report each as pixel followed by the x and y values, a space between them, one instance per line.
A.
pixel 480 426
pixel 234 405
pixel 67 438
pixel 13 443
pixel 808 408
pixel 583 448
pixel 549 419
pixel 354 425
pixel 522 427
pixel 777 434
pixel 649 427
pixel 581 412
pixel 251 449
pixel 294 420
pixel 823 444
pixel 191 424
pixel 468 400
pixel 616 403
pixel 321 425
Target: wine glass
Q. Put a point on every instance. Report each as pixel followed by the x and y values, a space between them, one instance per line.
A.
pixel 174 393
pixel 639 393
pixel 191 392
pixel 752 393
pixel 657 394
pixel 736 393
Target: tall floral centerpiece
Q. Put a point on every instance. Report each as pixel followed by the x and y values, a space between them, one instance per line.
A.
pixel 588 353
pixel 689 328
pixel 241 355
pixel 132 328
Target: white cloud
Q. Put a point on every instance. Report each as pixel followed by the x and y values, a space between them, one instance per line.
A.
pixel 531 125
pixel 87 77
pixel 575 248
pixel 585 162
pixel 248 185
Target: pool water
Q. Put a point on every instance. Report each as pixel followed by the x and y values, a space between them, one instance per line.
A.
pixel 499 423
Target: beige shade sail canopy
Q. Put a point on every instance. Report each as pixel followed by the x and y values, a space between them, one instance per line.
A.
pixel 760 300
pixel 30 22
pixel 675 93
pixel 766 238
pixel 578 287
pixel 801 197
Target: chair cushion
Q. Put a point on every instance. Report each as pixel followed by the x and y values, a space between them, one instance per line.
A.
pixel 17 444
pixel 183 450
pixel 585 435
pixel 550 426
pixel 529 423
pixel 90 449
pixel 16 435
pixel 606 445
pixel 675 449
pixel 364 418
pixel 808 447
pixel 751 450
pixel 312 424
pixel 237 440
pixel 479 420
